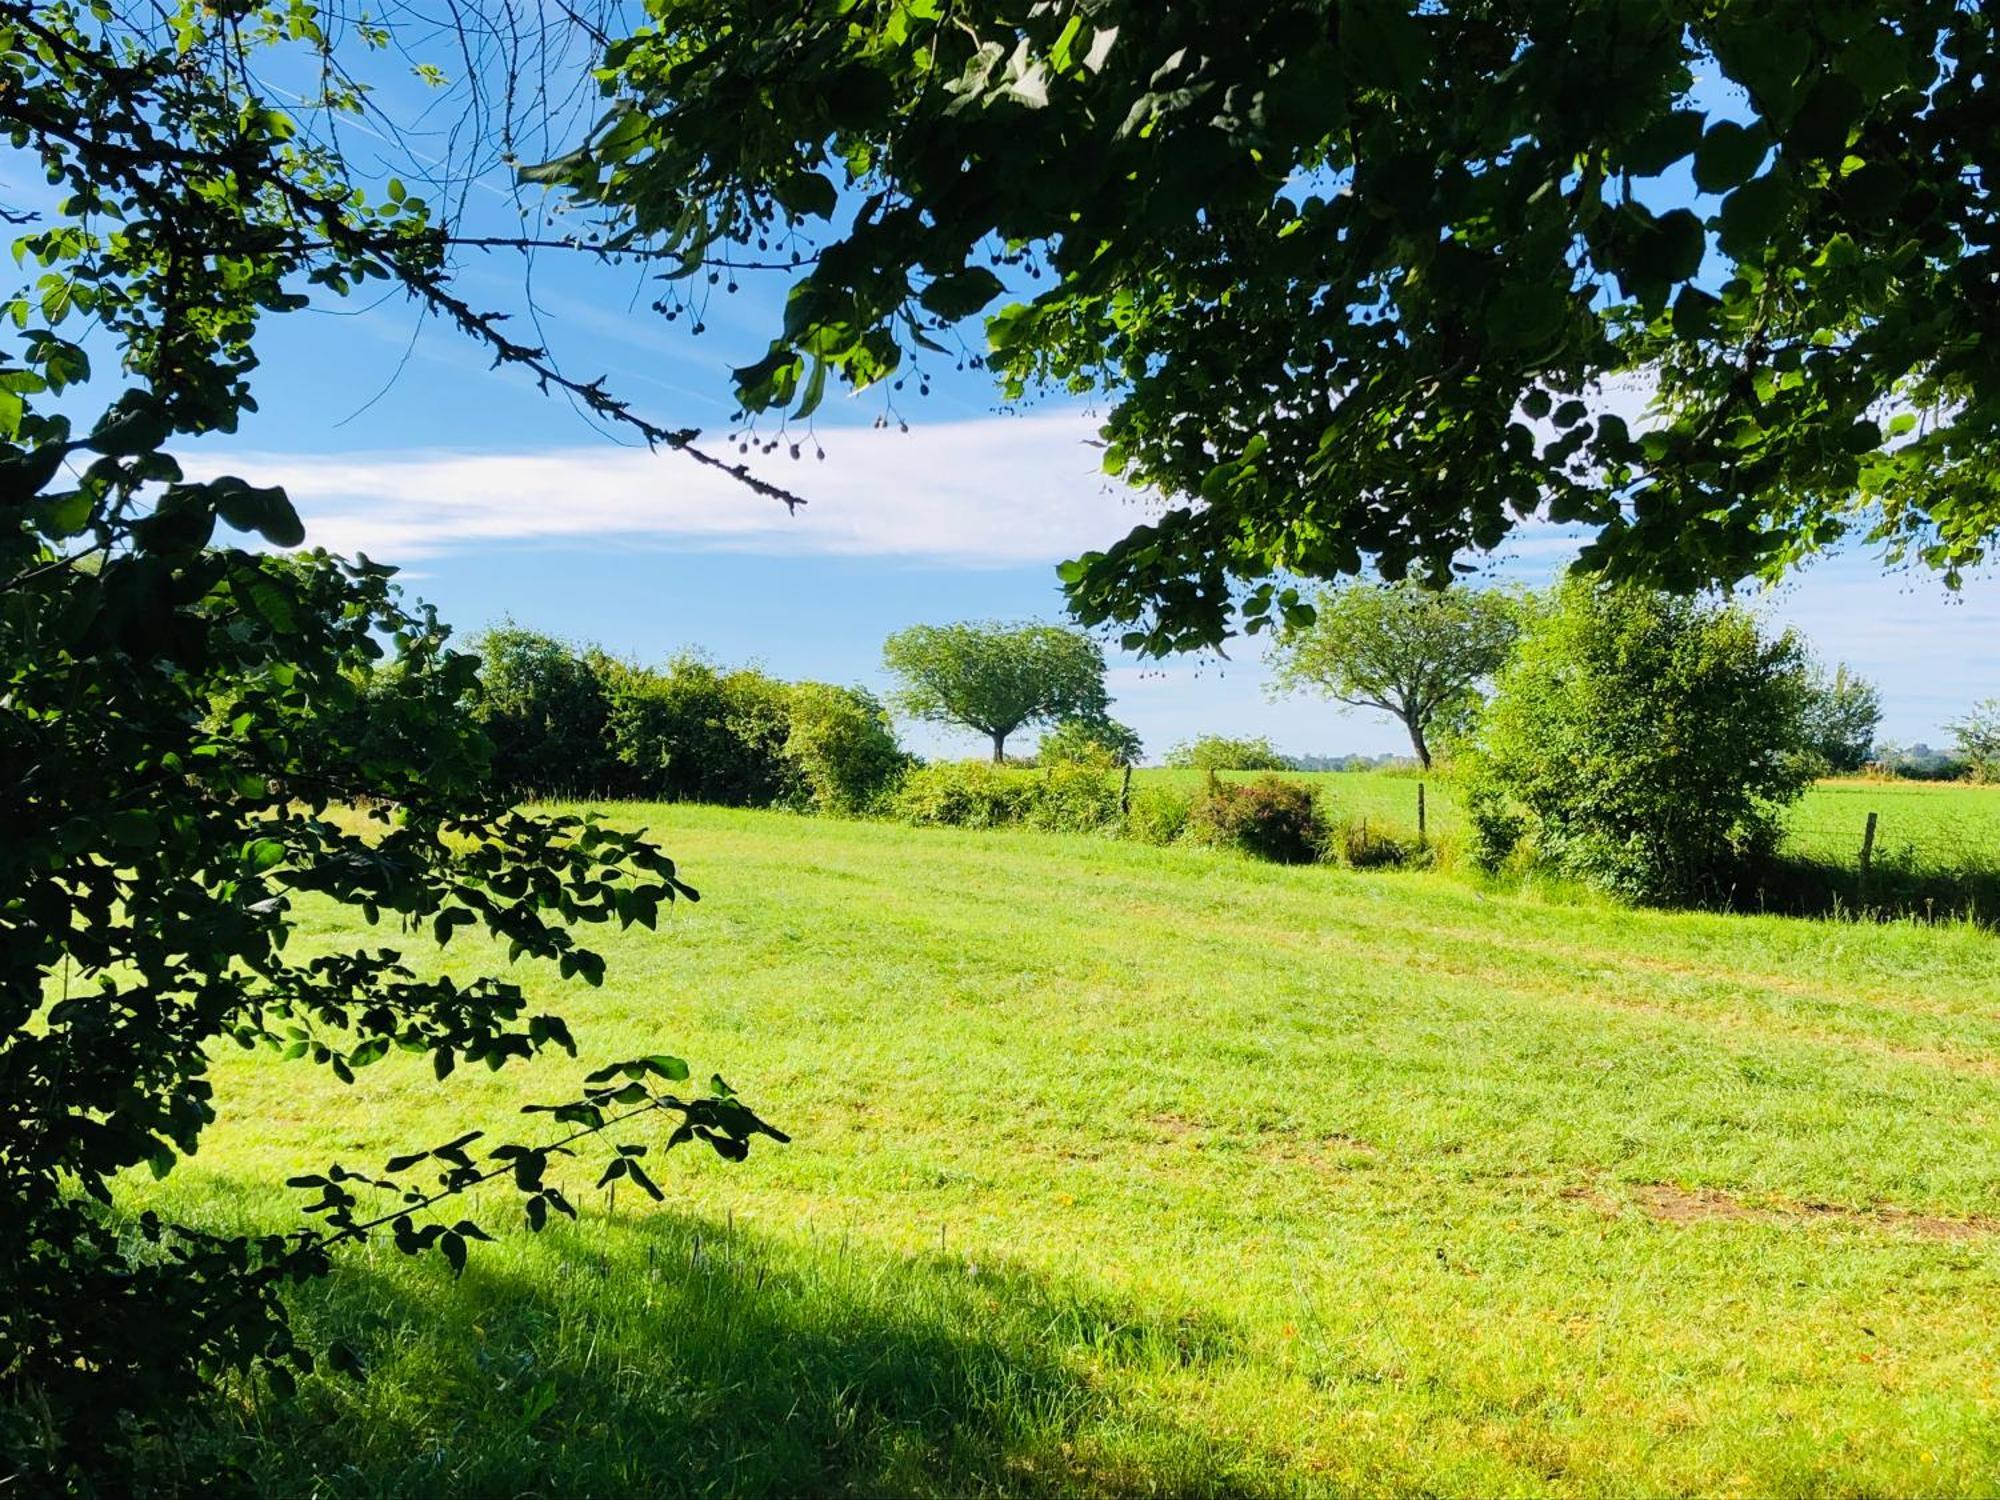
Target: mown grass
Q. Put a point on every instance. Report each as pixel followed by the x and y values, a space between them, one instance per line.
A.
pixel 1155 1171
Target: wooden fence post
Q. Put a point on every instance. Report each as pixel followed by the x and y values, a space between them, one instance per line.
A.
pixel 1125 795
pixel 1420 815
pixel 1867 849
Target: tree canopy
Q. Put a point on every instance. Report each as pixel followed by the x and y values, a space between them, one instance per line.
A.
pixel 1843 711
pixel 1418 654
pixel 1372 279
pixel 993 678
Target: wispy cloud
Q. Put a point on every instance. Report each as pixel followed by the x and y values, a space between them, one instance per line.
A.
pixel 997 492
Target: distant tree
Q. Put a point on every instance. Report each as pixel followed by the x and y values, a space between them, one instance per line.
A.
pixel 1979 739
pixel 1218 752
pixel 994 678
pixel 1842 713
pixel 1091 742
pixel 1416 653
pixel 1647 742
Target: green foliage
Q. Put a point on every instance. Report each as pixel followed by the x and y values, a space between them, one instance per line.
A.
pixel 1158 814
pixel 1268 818
pixel 694 732
pixel 1064 798
pixel 546 707
pixel 1649 743
pixel 963 794
pixel 1416 653
pixel 1099 741
pixel 1445 238
pixel 994 678
pixel 1073 798
pixel 1218 752
pixel 842 746
pixel 1842 713
pixel 1978 739
pixel 199 738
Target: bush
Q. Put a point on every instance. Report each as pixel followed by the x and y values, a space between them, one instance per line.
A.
pixel 1074 799
pixel 1159 814
pixel 963 794
pixel 1647 743
pixel 1215 752
pixel 1364 846
pixel 842 747
pixel 696 733
pixel 1100 742
pixel 976 794
pixel 543 704
pixel 1270 818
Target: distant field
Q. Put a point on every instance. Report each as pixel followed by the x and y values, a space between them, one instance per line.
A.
pixel 1133 1171
pixel 1941 822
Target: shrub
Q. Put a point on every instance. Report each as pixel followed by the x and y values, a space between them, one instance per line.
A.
pixel 1215 752
pixel 696 733
pixel 543 704
pixel 1159 814
pixel 1365 846
pixel 963 794
pixel 1098 741
pixel 1647 743
pixel 1270 818
pixel 842 747
pixel 1073 799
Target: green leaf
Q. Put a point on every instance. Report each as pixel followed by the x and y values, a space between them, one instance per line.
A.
pixel 1729 154
pixel 962 293
pixel 1525 316
pixel 1662 143
pixel 1752 215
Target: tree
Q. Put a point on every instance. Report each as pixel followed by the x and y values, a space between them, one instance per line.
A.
pixel 197 735
pixel 1979 739
pixel 1375 279
pixel 1418 654
pixel 1842 714
pixel 1647 743
pixel 1100 742
pixel 1221 752
pixel 994 678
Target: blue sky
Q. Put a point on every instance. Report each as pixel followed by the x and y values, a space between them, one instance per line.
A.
pixel 395 437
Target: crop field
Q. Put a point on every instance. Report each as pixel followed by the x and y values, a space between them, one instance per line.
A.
pixel 1156 1171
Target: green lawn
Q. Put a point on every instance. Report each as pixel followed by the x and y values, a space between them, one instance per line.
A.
pixel 1128 1170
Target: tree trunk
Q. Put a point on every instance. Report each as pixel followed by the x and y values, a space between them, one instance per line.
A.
pixel 999 746
pixel 1416 728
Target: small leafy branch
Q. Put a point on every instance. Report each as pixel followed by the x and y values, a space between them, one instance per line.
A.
pixel 615 1096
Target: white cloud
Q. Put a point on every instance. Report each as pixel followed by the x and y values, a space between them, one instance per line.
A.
pixel 999 492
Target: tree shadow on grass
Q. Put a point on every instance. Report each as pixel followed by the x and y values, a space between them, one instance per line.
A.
pixel 1900 883
pixel 664 1354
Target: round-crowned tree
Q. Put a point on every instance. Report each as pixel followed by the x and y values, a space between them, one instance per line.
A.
pixel 995 678
pixel 1647 743
pixel 1416 653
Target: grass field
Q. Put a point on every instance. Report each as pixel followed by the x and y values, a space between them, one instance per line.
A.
pixel 1941 822
pixel 1153 1171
